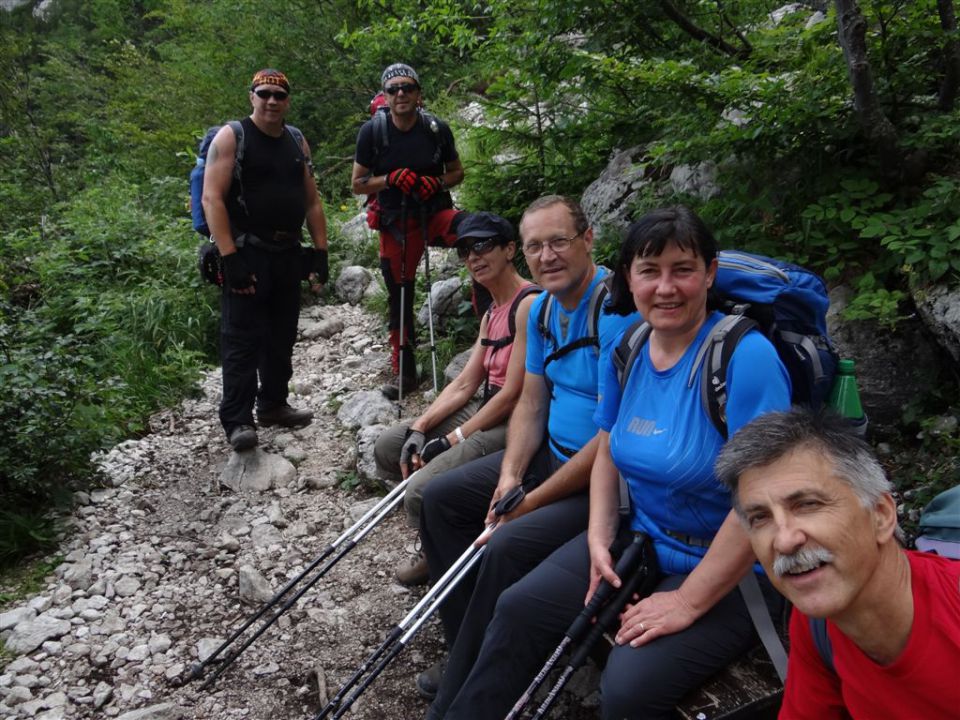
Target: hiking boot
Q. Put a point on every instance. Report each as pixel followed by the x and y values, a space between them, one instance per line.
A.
pixel 391 390
pixel 413 571
pixel 428 682
pixel 243 437
pixel 284 415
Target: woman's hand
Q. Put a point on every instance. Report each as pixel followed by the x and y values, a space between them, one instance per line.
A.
pixel 601 568
pixel 662 613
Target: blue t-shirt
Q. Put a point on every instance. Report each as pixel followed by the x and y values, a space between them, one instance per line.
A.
pixel 575 376
pixel 664 443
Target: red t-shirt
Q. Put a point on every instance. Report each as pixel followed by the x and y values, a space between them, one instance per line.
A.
pixel 922 684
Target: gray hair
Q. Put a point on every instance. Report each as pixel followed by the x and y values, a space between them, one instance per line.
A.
pixel 772 436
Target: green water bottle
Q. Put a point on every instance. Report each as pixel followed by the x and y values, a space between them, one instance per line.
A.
pixel 845 398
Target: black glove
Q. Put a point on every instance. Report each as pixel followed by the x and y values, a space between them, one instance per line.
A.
pixel 236 272
pixel 412 445
pixel 321 265
pixel 434 448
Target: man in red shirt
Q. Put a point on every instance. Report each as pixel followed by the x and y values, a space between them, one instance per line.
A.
pixel 819 512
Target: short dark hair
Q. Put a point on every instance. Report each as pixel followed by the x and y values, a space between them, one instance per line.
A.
pixel 580 222
pixel 774 435
pixel 649 236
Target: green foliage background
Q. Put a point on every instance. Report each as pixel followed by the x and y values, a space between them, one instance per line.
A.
pixel 102 317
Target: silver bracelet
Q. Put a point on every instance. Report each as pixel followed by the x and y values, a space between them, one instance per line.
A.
pixel 459 433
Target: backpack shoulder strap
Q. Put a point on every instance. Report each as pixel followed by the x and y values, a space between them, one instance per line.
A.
pixel 508 339
pixel 439 131
pixel 597 297
pixel 300 141
pixel 625 354
pixel 241 144
pixel 818 633
pixel 381 135
pixel 512 318
pixel 717 349
pixel 543 319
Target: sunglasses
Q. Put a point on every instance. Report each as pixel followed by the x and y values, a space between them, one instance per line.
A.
pixel 479 247
pixel 406 87
pixel 278 95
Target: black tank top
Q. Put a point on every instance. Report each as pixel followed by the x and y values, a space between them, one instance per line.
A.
pixel 272 184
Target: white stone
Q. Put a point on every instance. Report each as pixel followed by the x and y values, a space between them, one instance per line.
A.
pixel 28 636
pixel 16 616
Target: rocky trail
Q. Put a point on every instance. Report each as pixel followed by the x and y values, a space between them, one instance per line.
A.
pixel 164 560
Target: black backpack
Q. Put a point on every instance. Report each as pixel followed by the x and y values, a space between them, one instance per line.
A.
pixel 787 303
pixel 436 126
pixel 505 340
pixel 591 340
pixel 208 256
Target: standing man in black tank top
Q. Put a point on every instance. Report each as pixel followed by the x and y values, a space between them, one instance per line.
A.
pixel 256 218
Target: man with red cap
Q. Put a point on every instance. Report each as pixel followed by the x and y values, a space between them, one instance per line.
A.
pixel 410 164
pixel 256 218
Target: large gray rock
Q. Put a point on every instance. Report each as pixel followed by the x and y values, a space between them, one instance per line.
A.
pixel 254 588
pixel 257 471
pixel 163 711
pixel 352 283
pixel 456 365
pixel 366 464
pixel 355 233
pixel 893 366
pixel 16 616
pixel 607 200
pixel 445 298
pixel 366 407
pixel 27 636
pixel 940 308
pixel 322 328
pixel 699 180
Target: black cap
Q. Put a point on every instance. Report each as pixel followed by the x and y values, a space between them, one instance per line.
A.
pixel 485 225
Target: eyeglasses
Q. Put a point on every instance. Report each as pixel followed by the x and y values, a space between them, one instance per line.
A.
pixel 406 87
pixel 278 95
pixel 479 247
pixel 558 245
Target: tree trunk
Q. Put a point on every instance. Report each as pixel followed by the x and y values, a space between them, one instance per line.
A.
pixel 873 121
pixel 951 55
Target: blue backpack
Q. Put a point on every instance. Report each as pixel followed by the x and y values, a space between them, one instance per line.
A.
pixel 786 302
pixel 196 175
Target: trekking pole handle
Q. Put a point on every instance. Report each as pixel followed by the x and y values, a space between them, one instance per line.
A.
pixel 626 566
pixel 509 502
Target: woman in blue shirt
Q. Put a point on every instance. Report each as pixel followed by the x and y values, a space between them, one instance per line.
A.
pixel 657 435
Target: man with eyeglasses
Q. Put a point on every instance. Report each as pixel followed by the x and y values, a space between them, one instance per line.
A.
pixel 256 218
pixel 551 443
pixel 410 166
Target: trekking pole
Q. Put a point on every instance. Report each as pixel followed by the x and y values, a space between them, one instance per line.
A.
pixel 628 564
pixel 426 271
pixel 361 527
pixel 637 583
pixel 402 344
pixel 403 631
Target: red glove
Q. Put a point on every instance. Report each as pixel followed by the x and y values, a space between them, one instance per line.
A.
pixel 403 179
pixel 428 187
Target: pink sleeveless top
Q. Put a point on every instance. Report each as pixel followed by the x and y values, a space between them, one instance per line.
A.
pixel 498 325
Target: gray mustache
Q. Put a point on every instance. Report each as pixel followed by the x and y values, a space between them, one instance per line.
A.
pixel 804 557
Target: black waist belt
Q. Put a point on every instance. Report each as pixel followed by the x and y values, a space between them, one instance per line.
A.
pixel 275 240
pixel 688 539
pixel 565 451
